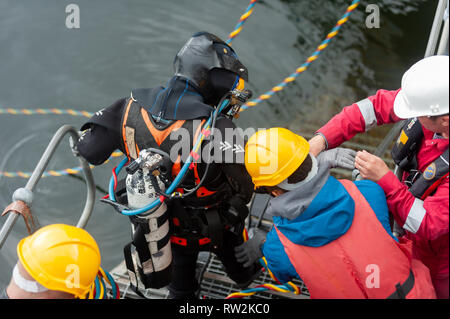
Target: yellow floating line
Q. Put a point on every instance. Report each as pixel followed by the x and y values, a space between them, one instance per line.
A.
pixel 342 21
pixel 235 32
pixel 332 34
pixel 353 6
pixel 289 79
pixel 277 88
pixel 54 173
pixel 22 174
pixel 323 46
pixel 246 15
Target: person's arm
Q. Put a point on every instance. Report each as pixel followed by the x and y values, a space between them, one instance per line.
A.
pixel 426 218
pixel 102 134
pixel 359 117
pixel 97 144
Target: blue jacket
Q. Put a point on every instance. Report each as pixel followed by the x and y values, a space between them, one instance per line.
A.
pixel 325 218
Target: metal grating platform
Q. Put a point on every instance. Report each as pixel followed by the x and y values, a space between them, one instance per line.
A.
pixel 214 282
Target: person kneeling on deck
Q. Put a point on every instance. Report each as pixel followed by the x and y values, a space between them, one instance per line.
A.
pixel 56 262
pixel 209 211
pixel 333 234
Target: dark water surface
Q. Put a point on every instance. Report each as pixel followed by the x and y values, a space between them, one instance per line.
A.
pixel 122 45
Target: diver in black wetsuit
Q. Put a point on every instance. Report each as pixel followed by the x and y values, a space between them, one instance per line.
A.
pixel 212 218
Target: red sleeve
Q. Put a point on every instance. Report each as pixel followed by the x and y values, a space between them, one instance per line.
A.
pixel 428 219
pixel 359 117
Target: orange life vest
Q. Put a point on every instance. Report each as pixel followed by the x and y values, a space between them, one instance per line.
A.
pixel 363 263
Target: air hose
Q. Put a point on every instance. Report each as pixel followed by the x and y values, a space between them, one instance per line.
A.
pixel 204 132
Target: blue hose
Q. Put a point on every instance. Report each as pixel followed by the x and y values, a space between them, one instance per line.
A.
pixel 111 181
pixel 112 282
pixel 176 181
pixel 97 290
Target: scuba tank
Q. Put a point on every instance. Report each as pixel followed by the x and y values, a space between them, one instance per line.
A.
pixel 151 260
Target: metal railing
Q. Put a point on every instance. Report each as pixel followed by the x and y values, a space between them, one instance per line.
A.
pixel 26 194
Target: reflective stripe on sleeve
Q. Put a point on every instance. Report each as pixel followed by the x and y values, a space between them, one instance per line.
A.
pixel 415 216
pixel 367 110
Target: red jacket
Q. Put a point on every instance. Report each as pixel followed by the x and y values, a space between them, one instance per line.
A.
pixel 426 221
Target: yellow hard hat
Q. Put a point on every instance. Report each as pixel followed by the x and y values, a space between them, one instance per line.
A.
pixel 61 257
pixel 272 155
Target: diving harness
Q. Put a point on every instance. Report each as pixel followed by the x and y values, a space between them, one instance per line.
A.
pixel 148 184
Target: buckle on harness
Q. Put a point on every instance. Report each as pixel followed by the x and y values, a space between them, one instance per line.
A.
pixel 184 242
pixel 412 177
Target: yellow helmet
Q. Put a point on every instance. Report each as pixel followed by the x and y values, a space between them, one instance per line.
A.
pixel 272 155
pixel 61 257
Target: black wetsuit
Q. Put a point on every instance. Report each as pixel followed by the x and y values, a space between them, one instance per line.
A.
pixel 180 101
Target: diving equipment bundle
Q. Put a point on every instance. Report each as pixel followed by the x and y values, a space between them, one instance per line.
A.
pixel 148 184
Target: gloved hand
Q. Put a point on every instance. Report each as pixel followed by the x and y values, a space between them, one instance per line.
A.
pixel 338 157
pixel 250 251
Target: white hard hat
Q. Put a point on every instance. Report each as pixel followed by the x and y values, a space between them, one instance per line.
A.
pixel 424 89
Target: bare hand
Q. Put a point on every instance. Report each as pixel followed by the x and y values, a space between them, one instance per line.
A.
pixel 371 167
pixel 316 144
